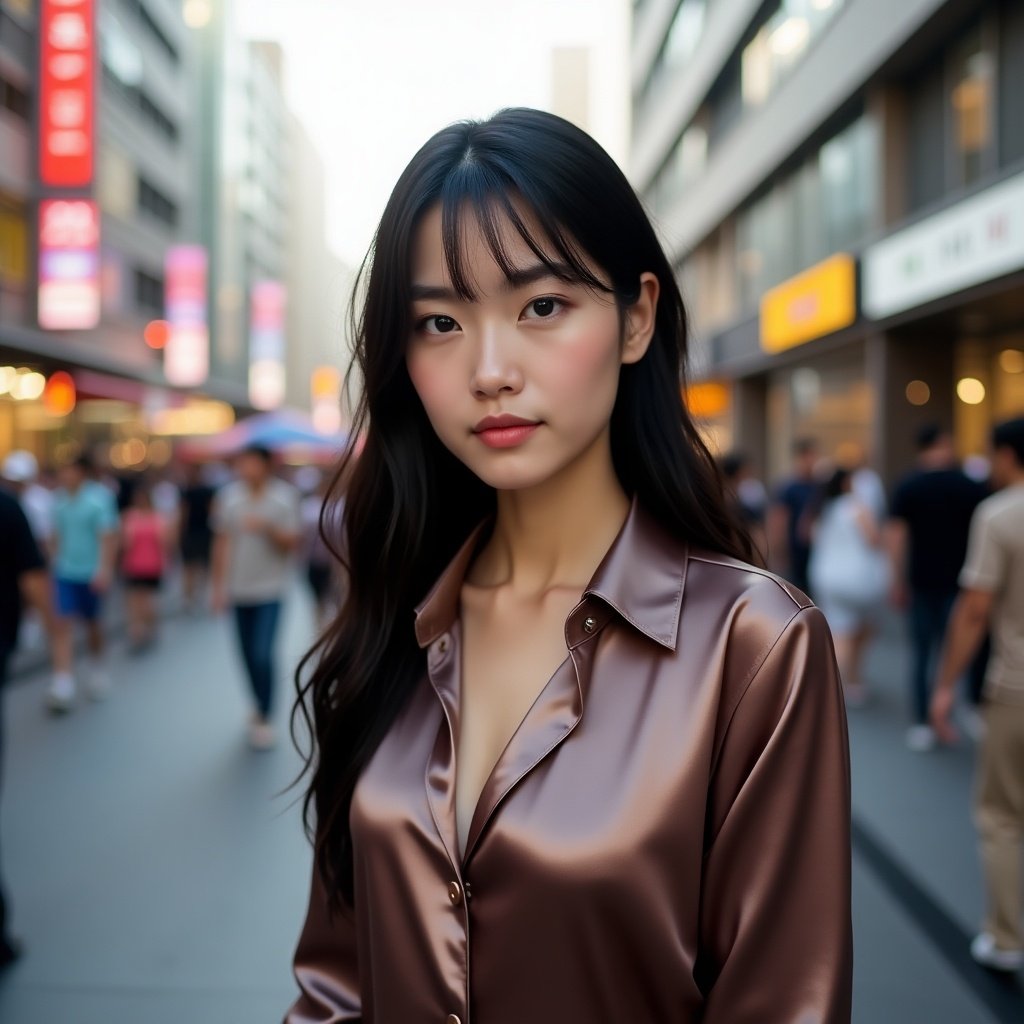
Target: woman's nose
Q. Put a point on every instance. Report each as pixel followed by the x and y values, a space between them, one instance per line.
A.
pixel 496 368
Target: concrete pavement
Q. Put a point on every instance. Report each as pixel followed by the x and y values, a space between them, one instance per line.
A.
pixel 157 876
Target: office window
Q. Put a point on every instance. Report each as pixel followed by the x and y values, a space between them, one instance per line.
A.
pixel 926 150
pixel 15 100
pixel 780 44
pixel 149 292
pixel 1011 83
pixel 825 205
pixel 971 102
pixel 153 201
pixel 680 44
pixel 156 33
pixel 13 247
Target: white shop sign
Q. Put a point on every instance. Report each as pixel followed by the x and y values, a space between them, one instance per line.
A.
pixel 978 239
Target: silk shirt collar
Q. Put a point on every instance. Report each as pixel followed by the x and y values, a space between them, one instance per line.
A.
pixel 640 579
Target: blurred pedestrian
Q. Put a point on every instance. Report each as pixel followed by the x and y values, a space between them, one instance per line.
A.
pixel 257 530
pixel 23 579
pixel 790 515
pixel 85 525
pixel 927 540
pixel 21 471
pixel 993 598
pixel 144 533
pixel 320 564
pixel 747 496
pixel 849 575
pixel 195 535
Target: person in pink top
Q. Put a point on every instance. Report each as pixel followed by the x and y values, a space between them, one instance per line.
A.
pixel 143 560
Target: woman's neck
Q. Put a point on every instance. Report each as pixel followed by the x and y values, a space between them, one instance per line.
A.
pixel 555 534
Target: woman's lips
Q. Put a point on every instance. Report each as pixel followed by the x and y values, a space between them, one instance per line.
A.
pixel 506 437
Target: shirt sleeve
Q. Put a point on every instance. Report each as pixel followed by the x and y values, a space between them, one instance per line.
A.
pixel 776 933
pixel 325 965
pixel 986 561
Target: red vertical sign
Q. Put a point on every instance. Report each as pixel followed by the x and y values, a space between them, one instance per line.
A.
pixel 67 30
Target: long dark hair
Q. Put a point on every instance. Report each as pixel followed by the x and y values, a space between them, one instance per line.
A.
pixel 409 503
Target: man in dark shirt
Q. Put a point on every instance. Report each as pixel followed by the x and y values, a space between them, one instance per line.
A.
pixel 931 516
pixel 195 533
pixel 22 575
pixel 789 526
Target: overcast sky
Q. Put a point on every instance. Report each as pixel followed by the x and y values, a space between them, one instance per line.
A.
pixel 373 79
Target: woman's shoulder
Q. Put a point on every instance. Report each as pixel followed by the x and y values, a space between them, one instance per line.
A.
pixel 746 598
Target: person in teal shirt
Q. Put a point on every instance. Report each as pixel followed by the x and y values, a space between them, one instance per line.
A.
pixel 85 525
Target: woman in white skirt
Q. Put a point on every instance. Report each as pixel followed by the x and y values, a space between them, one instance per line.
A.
pixel 849 576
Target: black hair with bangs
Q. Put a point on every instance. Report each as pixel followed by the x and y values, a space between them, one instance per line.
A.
pixel 409 503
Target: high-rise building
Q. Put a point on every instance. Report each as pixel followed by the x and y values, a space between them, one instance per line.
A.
pixel 97 186
pixel 318 291
pixel 243 184
pixel 840 184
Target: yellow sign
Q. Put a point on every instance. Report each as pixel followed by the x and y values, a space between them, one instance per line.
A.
pixel 817 302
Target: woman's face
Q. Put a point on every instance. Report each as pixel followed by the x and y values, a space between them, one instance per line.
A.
pixel 520 382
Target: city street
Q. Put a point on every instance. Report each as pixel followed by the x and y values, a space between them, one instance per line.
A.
pixel 157 875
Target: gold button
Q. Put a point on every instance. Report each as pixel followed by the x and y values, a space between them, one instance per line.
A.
pixel 590 623
pixel 452 1019
pixel 455 893
pixel 442 644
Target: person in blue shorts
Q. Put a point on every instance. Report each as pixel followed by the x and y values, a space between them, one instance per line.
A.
pixel 85 525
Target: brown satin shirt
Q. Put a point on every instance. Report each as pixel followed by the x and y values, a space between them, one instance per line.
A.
pixel 665 839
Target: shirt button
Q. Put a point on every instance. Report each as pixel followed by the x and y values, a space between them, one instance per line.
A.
pixel 452 1019
pixel 442 645
pixel 455 893
pixel 590 623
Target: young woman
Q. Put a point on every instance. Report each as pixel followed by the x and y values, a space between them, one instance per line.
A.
pixel 849 575
pixel 575 759
pixel 144 541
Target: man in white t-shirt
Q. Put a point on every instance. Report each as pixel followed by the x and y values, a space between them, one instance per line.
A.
pixel 256 531
pixel 992 597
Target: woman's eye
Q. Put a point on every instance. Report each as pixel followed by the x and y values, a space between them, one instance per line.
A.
pixel 542 309
pixel 438 325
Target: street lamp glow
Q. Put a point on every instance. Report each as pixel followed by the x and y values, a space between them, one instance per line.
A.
pixel 918 392
pixel 970 391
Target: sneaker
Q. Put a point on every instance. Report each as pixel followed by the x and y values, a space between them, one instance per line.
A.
pixel 262 735
pixel 60 698
pixel 921 738
pixel 986 953
pixel 98 683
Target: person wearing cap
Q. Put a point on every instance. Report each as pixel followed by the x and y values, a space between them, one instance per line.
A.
pixel 257 529
pixel 21 471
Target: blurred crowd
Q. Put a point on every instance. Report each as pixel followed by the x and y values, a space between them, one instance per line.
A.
pixel 220 536
pixel 862 553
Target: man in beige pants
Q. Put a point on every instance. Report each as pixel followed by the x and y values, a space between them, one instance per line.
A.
pixel 992 596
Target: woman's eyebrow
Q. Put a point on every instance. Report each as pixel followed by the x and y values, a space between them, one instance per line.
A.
pixel 514 280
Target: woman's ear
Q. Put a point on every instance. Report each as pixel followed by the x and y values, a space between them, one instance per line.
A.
pixel 640 319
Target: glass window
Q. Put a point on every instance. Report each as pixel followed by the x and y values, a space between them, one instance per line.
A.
pixel 972 108
pixel 780 44
pixel 681 41
pixel 1011 84
pixel 827 205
